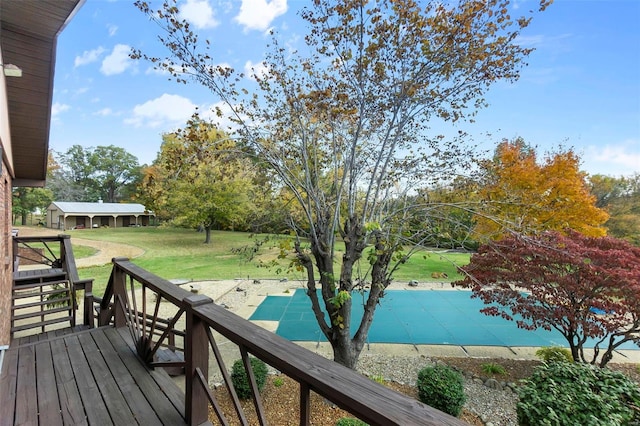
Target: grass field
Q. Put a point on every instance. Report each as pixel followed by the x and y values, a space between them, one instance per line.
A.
pixel 174 253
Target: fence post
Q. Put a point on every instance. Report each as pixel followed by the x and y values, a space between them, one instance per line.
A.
pixel 196 353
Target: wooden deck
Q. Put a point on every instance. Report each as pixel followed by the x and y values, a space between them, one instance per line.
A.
pixel 81 377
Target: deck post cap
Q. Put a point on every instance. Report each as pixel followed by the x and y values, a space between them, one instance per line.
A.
pixel 197 300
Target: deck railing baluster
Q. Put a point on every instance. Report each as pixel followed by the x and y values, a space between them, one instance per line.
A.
pixel 168 330
pixel 257 400
pixel 305 406
pixel 227 378
pixel 212 399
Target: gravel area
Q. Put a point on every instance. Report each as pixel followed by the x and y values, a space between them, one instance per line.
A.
pixel 492 406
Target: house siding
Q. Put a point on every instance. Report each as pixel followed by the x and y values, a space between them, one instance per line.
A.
pixel 6 247
pixel 6 242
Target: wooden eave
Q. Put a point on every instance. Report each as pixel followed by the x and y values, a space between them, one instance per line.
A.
pixel 28 33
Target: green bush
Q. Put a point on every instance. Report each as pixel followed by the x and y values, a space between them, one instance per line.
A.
pixel 493 368
pixel 562 393
pixel 554 354
pixel 350 421
pixel 441 387
pixel 241 381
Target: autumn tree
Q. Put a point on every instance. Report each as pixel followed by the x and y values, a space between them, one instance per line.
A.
pixel 620 197
pixel 531 196
pixel 583 287
pixel 345 126
pixel 200 178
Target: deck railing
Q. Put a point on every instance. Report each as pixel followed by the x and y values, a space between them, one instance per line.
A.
pixel 47 264
pixel 134 298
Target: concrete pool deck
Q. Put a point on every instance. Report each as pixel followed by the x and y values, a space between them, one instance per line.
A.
pixel 244 296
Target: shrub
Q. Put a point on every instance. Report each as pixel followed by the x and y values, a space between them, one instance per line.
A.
pixel 240 379
pixel 350 421
pixel 554 354
pixel 562 393
pixel 493 368
pixel 441 387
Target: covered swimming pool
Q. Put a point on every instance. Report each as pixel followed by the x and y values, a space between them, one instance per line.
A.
pixel 420 317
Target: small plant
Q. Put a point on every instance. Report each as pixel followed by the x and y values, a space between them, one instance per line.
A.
pixel 378 378
pixel 278 381
pixel 554 354
pixel 350 421
pixel 493 368
pixel 563 393
pixel 441 387
pixel 241 381
pixel 59 299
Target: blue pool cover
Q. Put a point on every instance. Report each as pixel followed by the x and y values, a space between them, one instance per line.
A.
pixel 428 317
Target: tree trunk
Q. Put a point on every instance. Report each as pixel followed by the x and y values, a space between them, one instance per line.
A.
pixel 344 352
pixel 207 234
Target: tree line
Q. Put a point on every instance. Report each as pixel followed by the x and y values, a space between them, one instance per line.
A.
pixel 204 178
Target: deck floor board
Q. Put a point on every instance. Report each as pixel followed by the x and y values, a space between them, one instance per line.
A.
pixel 48 401
pixel 86 377
pixel 87 386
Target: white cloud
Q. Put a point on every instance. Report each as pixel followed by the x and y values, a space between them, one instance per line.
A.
pixel 259 14
pixel 117 61
pixel 152 70
pixel 222 121
pixel 57 108
pixel 614 159
pixel 104 112
pixel 112 29
pixel 88 56
pixel 542 41
pixel 258 69
pixel 199 13
pixel 162 111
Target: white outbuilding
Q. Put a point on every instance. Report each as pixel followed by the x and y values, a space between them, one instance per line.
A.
pixel 71 215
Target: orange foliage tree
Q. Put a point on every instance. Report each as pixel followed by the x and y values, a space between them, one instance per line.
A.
pixel 526 196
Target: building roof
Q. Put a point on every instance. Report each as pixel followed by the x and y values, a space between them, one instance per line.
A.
pixel 28 32
pixel 98 208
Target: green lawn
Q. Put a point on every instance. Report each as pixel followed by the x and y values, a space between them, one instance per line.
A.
pixel 174 253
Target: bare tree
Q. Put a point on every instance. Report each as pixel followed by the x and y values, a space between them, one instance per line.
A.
pixel 346 128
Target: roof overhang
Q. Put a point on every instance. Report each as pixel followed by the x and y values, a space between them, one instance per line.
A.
pixel 28 34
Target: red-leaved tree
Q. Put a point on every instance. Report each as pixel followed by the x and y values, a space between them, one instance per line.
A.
pixel 584 287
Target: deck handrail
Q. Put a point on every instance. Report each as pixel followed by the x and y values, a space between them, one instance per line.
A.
pixel 64 260
pixel 364 398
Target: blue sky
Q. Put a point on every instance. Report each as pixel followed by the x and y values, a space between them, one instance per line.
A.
pixel 581 88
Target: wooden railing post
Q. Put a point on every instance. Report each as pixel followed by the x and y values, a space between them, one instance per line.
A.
pixel 119 297
pixel 196 353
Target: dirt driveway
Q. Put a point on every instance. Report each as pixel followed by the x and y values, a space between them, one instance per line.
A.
pixel 106 250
